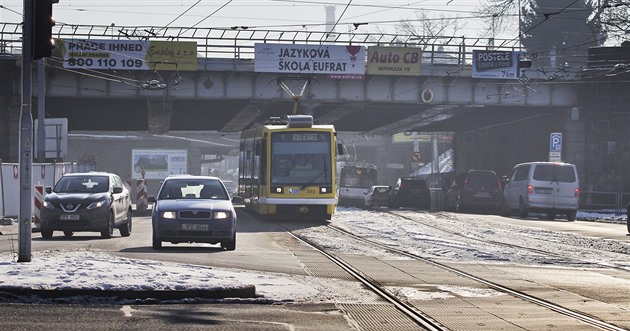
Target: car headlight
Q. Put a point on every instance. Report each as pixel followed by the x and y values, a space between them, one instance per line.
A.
pixel 169 215
pixel 48 205
pixel 97 204
pixel 220 215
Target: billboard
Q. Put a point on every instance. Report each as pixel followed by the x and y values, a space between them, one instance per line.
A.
pixel 399 61
pixel 129 55
pixel 309 59
pixel 158 163
pixel 496 64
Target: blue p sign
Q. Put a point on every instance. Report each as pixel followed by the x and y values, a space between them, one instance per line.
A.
pixel 555 142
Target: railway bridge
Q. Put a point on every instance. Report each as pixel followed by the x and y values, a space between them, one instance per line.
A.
pixel 493 123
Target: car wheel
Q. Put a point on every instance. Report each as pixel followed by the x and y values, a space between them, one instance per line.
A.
pixel 157 244
pixel 125 229
pixel 109 231
pixel 522 211
pixel 506 210
pixel 229 245
pixel 571 216
pixel 46 233
pixel 458 206
pixel 68 233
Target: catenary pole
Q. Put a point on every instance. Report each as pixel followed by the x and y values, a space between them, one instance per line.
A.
pixel 26 139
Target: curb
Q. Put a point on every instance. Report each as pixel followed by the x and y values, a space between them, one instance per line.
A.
pixel 244 292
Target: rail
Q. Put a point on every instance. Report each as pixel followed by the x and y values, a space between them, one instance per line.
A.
pixel 238 42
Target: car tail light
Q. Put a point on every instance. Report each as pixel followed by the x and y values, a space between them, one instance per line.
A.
pixel 576 193
pixel 530 189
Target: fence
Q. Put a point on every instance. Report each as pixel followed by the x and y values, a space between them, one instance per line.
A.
pixel 238 42
pixel 609 202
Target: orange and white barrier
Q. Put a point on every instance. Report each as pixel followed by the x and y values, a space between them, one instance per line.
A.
pixel 141 195
pixel 39 200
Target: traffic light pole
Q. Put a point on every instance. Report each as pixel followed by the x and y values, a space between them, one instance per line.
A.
pixel 26 137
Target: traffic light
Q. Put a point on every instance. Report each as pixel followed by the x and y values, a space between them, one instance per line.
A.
pixel 43 22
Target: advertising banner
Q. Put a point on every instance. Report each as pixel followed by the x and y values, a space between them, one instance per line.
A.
pixel 496 64
pixel 310 59
pixel 158 163
pixel 399 61
pixel 129 55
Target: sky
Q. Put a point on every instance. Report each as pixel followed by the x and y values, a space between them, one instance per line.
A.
pixel 98 270
pixel 293 15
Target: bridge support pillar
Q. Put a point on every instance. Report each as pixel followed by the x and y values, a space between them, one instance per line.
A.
pixel 159 115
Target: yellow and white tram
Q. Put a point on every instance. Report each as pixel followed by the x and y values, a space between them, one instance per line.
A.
pixel 287 169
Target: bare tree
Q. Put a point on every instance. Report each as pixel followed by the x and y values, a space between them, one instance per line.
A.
pixel 429 30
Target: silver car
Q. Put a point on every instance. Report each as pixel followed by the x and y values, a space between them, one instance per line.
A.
pixel 193 209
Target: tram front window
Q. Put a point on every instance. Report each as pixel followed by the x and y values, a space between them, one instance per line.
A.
pixel 297 162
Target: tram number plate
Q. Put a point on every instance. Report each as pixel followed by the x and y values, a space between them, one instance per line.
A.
pixel 69 217
pixel 195 227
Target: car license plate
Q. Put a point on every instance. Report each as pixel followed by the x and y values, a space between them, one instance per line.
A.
pixel 69 217
pixel 195 227
pixel 483 194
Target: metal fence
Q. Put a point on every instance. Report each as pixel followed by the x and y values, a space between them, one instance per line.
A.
pixel 238 42
pixel 609 202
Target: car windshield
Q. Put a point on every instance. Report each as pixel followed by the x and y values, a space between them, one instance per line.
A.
pixel 193 189
pixel 82 184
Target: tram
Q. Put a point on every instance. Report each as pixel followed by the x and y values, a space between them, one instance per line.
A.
pixel 287 169
pixel 355 179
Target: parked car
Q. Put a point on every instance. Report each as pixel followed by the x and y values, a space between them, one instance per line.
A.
pixel 230 186
pixel 410 192
pixel 193 209
pixel 543 187
pixel 475 190
pixel 376 196
pixel 94 201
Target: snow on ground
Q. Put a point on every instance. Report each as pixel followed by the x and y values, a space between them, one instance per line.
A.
pixel 434 237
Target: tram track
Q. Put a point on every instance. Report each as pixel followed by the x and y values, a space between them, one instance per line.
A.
pixel 519 247
pixel 419 317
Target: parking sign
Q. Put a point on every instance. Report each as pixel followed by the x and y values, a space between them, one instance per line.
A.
pixel 555 142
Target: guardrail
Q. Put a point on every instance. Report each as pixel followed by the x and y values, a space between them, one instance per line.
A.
pixel 238 42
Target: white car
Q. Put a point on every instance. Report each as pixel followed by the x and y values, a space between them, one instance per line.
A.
pixel 543 187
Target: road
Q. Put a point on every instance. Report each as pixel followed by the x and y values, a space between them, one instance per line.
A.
pixel 466 240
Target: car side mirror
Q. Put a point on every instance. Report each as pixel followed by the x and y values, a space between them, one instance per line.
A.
pixel 118 189
pixel 151 199
pixel 236 200
pixel 48 189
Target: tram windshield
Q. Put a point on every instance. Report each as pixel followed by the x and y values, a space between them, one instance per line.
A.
pixel 357 177
pixel 301 158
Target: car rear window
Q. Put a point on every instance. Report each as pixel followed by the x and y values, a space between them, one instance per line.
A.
pixel 482 179
pixel 555 173
pixel 413 184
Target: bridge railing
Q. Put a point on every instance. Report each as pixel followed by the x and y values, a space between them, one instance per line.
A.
pixel 238 42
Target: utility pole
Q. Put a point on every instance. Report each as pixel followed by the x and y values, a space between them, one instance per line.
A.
pixel 36 44
pixel 26 137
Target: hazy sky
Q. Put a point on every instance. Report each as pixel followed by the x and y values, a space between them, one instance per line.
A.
pixel 296 15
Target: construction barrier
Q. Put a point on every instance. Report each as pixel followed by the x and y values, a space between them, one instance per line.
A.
pixel 39 201
pixel 141 195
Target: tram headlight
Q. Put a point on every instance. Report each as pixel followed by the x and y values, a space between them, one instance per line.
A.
pixel 325 189
pixel 277 189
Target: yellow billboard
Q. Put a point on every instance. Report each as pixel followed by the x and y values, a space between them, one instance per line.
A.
pixel 398 61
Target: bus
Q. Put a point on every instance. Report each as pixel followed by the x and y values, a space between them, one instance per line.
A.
pixel 355 179
pixel 287 169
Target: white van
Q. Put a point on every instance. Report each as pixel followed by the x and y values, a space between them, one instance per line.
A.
pixel 543 187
